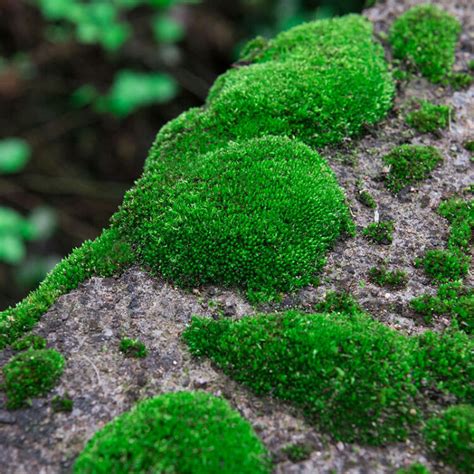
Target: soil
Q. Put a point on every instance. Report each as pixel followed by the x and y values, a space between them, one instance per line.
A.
pixel 87 324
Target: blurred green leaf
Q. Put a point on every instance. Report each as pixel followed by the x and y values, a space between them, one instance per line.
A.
pixel 13 223
pixel 84 95
pixel 114 36
pixel 12 249
pixel 43 221
pixel 55 9
pixel 32 271
pixel 14 154
pixel 167 30
pixel 132 90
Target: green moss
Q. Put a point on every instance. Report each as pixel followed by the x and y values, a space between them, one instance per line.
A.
pixel 379 232
pixel 297 452
pixel 459 80
pixel 451 437
pixel 469 145
pixel 62 404
pixel 338 302
pixel 133 348
pixel 31 341
pixel 429 117
pixel 350 374
pixel 366 199
pixel 460 214
pixel 409 164
pixel 416 468
pixel 186 432
pixel 444 265
pixel 31 374
pixel 470 65
pixel 425 38
pixel 395 279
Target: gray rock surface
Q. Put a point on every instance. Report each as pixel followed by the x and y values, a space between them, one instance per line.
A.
pixel 87 324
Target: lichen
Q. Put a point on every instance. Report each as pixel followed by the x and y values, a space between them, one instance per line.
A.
pixel 182 432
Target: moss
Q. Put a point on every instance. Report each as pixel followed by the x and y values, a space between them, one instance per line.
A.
pixel 176 432
pixel 469 145
pixel 395 279
pixel 425 38
pixel 338 302
pixel 62 404
pixel 444 265
pixel 31 374
pixel 451 437
pixel 366 199
pixel 415 468
pixel 297 452
pixel 133 348
pixel 459 80
pixel 429 117
pixel 460 214
pixel 379 232
pixel 31 341
pixel 409 164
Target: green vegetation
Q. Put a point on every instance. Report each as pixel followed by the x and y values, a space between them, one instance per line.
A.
pixel 451 437
pixel 425 38
pixel 459 80
pixel 469 145
pixel 62 404
pixel 366 199
pixel 338 302
pixel 395 279
pixel 416 468
pixel 429 117
pixel 182 432
pixel 444 265
pixel 133 348
pixel 410 164
pixel 31 341
pixel 460 215
pixel 297 452
pixel 379 232
pixel 31 374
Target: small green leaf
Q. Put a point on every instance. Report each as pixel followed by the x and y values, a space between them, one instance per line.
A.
pixel 167 30
pixel 12 249
pixel 14 154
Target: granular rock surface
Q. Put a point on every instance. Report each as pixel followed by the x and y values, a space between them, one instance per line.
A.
pixel 87 324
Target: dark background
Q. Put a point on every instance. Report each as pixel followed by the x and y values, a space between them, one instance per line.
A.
pixel 82 158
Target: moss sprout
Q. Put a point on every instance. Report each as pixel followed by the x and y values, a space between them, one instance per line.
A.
pixel 395 279
pixel 379 232
pixel 63 404
pixel 186 432
pixel 338 302
pixel 31 374
pixel 444 265
pixel 425 38
pixel 297 452
pixel 30 341
pixel 429 117
pixel 451 437
pixel 409 164
pixel 415 468
pixel 469 145
pixel 459 80
pixel 366 199
pixel 133 348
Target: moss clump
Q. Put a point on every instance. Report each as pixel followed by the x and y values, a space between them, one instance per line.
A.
pixel 366 199
pixel 31 374
pixel 62 404
pixel 31 341
pixel 350 374
pixel 297 452
pixel 429 117
pixel 451 437
pixel 259 214
pixel 459 80
pixel 416 468
pixel 379 232
pixel 425 38
pixel 395 279
pixel 452 299
pixel 133 348
pixel 338 302
pixel 178 432
pixel 460 215
pixel 409 164
pixel 469 145
pixel 444 265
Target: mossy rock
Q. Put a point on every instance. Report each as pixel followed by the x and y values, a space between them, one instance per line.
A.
pixel 178 432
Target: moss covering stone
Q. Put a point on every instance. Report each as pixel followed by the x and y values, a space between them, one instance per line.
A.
pixel 425 37
pixel 183 432
pixel 451 437
pixel 31 374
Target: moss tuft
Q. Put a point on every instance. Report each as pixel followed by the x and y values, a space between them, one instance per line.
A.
pixel 366 199
pixel 425 38
pixel 444 265
pixel 31 374
pixel 459 80
pixel 338 302
pixel 395 279
pixel 297 452
pixel 62 404
pixel 133 348
pixel 451 437
pixel 409 164
pixel 189 432
pixel 429 118
pixel 31 341
pixel 379 232
pixel 416 468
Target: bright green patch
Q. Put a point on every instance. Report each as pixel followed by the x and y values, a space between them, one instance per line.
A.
pixel 338 302
pixel 379 232
pixel 395 279
pixel 429 117
pixel 451 437
pixel 183 432
pixel 133 348
pixel 444 265
pixel 31 341
pixel 416 468
pixel 409 164
pixel 297 452
pixel 425 38
pixel 31 374
pixel 62 404
pixel 460 214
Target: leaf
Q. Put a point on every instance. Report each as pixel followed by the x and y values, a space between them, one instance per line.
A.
pixel 167 30
pixel 14 154
pixel 12 249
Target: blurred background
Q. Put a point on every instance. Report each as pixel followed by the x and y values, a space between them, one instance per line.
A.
pixel 84 88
